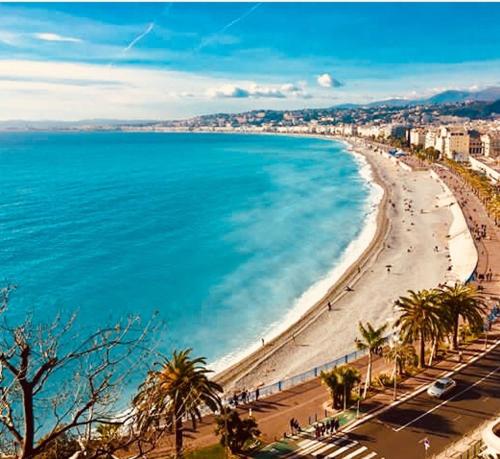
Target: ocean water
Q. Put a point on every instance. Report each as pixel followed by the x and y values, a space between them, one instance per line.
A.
pixel 229 237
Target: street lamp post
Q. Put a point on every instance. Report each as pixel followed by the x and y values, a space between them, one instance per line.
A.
pixel 395 376
pixel 359 400
pixel 394 341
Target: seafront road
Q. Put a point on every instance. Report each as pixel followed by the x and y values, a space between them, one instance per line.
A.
pixel 404 428
pixel 400 427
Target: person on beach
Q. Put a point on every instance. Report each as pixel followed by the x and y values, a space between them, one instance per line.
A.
pixel 263 342
pixel 329 306
pixel 257 393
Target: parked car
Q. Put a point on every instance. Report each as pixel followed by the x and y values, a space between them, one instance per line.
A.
pixel 440 387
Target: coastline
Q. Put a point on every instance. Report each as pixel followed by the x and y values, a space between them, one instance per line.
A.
pixel 411 223
pixel 324 286
pixel 345 272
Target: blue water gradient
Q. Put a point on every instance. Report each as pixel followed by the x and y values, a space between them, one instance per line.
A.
pixel 219 233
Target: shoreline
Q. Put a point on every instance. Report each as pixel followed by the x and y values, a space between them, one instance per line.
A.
pixel 342 275
pixel 322 287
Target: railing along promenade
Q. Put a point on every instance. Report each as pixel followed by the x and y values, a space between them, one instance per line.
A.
pixel 309 375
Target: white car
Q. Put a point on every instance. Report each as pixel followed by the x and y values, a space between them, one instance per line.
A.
pixel 440 387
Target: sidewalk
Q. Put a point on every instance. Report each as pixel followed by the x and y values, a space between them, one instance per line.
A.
pixel 384 400
pixel 306 404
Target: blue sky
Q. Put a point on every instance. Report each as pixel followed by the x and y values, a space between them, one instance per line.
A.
pixel 169 60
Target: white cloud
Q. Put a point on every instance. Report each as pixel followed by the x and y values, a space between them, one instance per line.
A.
pixel 327 81
pixel 47 36
pixel 253 90
pixel 71 91
pixel 9 38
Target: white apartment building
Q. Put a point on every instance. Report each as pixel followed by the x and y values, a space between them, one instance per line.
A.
pixel 417 137
pixel 392 130
pixel 430 139
pixel 349 129
pixel 491 145
pixel 368 130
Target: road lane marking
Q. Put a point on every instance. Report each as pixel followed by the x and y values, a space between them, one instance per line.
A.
pixel 420 389
pixel 305 443
pixel 356 453
pixel 446 401
pixel 341 450
pixel 329 446
pixel 312 446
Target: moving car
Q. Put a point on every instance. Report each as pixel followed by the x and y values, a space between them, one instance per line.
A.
pixel 440 387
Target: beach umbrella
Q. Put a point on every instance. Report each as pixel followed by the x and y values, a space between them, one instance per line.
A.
pixel 388 266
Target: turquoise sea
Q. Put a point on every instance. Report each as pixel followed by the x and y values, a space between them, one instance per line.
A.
pixel 220 233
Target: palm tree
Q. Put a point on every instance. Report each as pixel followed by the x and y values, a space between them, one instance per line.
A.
pixel 178 389
pixel 348 377
pixel 420 319
pixel 330 380
pixel 461 301
pixel 340 382
pixel 235 432
pixel 401 355
pixel 372 340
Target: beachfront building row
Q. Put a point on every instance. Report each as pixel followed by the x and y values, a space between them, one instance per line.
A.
pixel 457 142
pixel 478 145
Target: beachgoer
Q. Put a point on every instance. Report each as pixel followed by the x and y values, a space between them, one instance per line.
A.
pixel 329 306
pixel 257 393
pixel 263 342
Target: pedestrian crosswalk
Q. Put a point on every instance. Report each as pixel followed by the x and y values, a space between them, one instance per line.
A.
pixel 338 447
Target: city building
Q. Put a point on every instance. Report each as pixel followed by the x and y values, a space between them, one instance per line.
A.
pixel 417 137
pixel 455 143
pixel 475 144
pixel 491 145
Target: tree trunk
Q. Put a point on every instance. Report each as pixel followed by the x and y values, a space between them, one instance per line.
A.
pixel 178 437
pixel 368 380
pixel 421 360
pixel 455 335
pixel 29 422
pixel 433 352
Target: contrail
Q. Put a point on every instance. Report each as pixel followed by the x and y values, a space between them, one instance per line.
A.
pixel 211 38
pixel 243 16
pixel 149 28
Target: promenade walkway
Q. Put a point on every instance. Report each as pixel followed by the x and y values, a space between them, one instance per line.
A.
pixel 306 402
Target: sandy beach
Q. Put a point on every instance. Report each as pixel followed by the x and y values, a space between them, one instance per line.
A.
pixel 414 217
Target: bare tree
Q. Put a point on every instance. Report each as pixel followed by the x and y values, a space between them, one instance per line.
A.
pixel 56 383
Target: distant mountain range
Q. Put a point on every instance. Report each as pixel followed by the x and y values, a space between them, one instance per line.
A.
pixel 475 104
pixel 446 97
pixel 54 124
